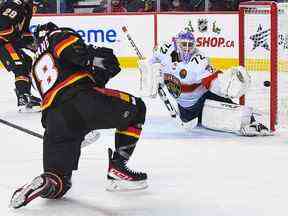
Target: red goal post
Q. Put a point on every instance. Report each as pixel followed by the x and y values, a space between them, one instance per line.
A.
pixel 260 13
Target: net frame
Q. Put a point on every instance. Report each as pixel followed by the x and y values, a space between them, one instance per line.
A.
pixel 271 9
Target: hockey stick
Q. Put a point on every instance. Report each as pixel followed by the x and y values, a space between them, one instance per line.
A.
pixel 25 130
pixel 132 43
pixel 90 138
pixel 163 96
pixel 136 49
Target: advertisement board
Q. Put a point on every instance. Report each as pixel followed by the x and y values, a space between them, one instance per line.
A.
pixel 217 34
pixel 106 31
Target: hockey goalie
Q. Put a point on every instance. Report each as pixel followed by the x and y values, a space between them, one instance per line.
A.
pixel 190 88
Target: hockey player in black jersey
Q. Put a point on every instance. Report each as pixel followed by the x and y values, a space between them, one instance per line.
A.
pixel 16 41
pixel 71 78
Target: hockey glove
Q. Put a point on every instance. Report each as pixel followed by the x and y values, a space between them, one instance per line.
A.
pixel 103 64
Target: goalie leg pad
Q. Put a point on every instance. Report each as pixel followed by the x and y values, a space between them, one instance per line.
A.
pixel 225 116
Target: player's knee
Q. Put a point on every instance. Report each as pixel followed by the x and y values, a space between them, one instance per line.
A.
pixel 141 112
pixel 57 185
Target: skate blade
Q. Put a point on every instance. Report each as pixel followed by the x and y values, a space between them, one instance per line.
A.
pixel 27 193
pixel 122 185
pixel 90 138
pixel 256 134
pixel 25 109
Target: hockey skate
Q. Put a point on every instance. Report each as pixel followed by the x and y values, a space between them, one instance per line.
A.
pixel 121 178
pixel 255 129
pixel 28 103
pixel 29 192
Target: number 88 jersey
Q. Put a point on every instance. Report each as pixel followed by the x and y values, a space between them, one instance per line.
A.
pixel 60 63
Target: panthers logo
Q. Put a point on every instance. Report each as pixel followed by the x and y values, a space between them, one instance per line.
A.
pixel 173 85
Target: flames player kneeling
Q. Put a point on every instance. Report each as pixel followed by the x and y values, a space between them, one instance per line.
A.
pixel 71 78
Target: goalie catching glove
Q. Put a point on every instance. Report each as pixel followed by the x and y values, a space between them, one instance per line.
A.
pixel 103 64
pixel 233 83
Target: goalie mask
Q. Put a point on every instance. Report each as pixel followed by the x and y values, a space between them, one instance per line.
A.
pixel 185 44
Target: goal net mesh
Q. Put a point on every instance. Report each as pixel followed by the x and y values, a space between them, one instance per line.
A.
pixel 263 50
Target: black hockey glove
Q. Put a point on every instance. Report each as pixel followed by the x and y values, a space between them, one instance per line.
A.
pixel 103 64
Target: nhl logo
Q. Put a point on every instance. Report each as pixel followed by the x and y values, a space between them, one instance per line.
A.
pixel 203 25
pixel 183 73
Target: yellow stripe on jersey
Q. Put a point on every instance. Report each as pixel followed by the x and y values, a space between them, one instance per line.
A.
pixel 63 44
pixel 12 52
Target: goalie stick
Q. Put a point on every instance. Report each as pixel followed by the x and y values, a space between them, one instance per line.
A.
pixel 89 139
pixel 136 49
pixel 163 96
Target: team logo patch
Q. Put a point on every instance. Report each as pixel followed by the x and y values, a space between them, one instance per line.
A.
pixel 173 85
pixel 183 73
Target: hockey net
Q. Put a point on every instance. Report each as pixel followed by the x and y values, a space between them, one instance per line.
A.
pixel 263 50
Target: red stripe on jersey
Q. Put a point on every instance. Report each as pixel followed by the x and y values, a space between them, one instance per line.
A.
pixel 49 97
pixel 114 93
pixel 131 131
pixel 7 31
pixel 206 82
pixel 189 88
pixel 12 51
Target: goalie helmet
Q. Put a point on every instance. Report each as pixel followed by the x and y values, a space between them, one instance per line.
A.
pixel 185 44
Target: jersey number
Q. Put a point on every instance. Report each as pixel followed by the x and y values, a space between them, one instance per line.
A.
pixel 10 13
pixel 165 48
pixel 197 57
pixel 45 72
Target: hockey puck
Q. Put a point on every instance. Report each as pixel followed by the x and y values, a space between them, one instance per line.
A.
pixel 266 83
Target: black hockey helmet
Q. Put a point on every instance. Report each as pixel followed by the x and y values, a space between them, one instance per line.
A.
pixel 44 29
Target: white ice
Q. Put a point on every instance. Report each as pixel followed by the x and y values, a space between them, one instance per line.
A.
pixel 199 173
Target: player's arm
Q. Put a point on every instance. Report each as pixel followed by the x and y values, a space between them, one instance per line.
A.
pixel 100 61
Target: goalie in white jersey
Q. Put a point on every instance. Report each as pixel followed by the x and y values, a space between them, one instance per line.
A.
pixel 191 89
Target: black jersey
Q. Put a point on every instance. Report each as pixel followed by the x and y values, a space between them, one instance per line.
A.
pixel 62 58
pixel 14 20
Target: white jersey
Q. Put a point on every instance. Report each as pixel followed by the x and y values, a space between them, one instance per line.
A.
pixel 184 80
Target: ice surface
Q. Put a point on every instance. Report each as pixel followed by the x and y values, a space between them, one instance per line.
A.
pixel 199 173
